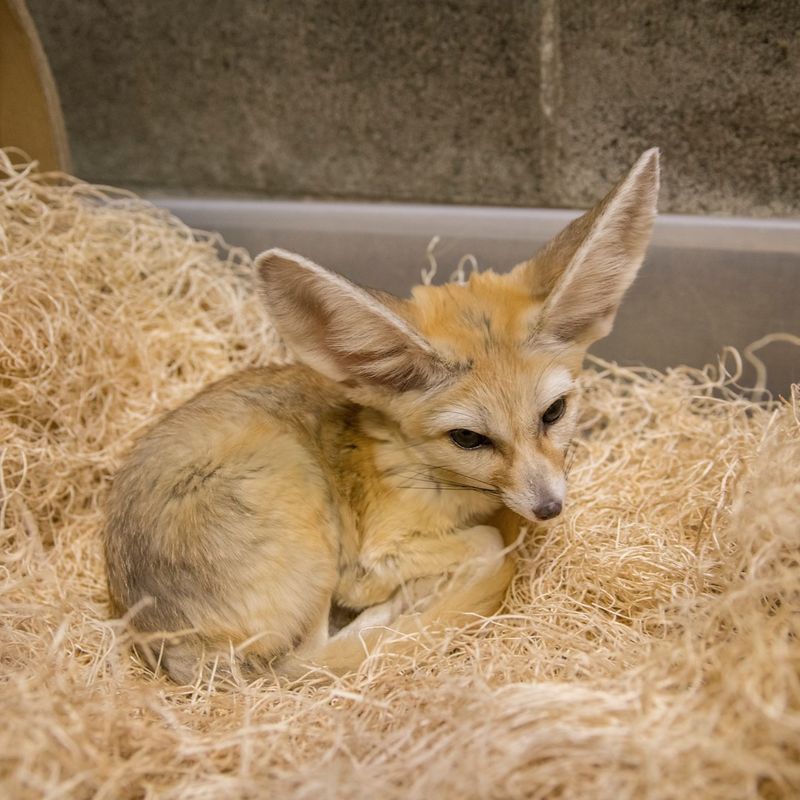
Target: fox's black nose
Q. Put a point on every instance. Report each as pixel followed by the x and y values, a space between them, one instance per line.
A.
pixel 548 510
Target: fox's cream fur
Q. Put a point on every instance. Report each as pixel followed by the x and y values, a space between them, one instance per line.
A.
pixel 373 475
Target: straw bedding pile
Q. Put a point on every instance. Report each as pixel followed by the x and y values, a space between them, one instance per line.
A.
pixel 648 646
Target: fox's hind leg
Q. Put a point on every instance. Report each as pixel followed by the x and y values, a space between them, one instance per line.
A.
pixel 181 657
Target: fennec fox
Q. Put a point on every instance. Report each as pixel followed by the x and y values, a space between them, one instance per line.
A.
pixel 366 476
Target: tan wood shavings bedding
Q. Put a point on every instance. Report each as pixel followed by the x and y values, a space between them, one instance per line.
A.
pixel 649 643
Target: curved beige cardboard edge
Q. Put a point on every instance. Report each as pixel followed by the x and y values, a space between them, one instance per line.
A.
pixel 30 110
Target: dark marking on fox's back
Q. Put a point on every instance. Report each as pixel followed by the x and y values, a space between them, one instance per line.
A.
pixel 194 479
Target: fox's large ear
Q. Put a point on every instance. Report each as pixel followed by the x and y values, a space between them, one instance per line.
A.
pixel 582 274
pixel 341 330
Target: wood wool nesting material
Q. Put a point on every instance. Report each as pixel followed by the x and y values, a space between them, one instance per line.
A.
pixel 649 646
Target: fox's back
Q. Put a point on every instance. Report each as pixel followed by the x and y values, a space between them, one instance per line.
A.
pixel 229 489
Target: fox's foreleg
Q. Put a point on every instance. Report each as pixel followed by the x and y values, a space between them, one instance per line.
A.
pixel 427 600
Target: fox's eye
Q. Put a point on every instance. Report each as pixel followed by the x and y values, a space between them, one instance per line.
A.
pixel 469 440
pixel 554 411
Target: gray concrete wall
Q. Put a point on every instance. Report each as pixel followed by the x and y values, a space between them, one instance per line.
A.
pixel 517 102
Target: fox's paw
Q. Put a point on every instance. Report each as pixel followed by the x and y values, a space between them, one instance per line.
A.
pixel 483 541
pixel 377 616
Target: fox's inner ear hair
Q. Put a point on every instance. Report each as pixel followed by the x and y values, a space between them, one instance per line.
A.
pixel 341 330
pixel 583 273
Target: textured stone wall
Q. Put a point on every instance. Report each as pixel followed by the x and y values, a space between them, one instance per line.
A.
pixel 518 102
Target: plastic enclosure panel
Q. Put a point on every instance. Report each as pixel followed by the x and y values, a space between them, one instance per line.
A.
pixel 706 283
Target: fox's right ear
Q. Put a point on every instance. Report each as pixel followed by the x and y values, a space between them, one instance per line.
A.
pixel 341 330
pixel 582 274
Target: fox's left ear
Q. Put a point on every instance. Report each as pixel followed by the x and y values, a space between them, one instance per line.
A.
pixel 583 273
pixel 343 331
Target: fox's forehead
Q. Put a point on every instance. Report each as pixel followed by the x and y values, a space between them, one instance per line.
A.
pixel 490 312
pixel 485 326
pixel 512 385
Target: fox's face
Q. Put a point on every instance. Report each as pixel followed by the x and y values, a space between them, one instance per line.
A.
pixel 477 380
pixel 503 421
